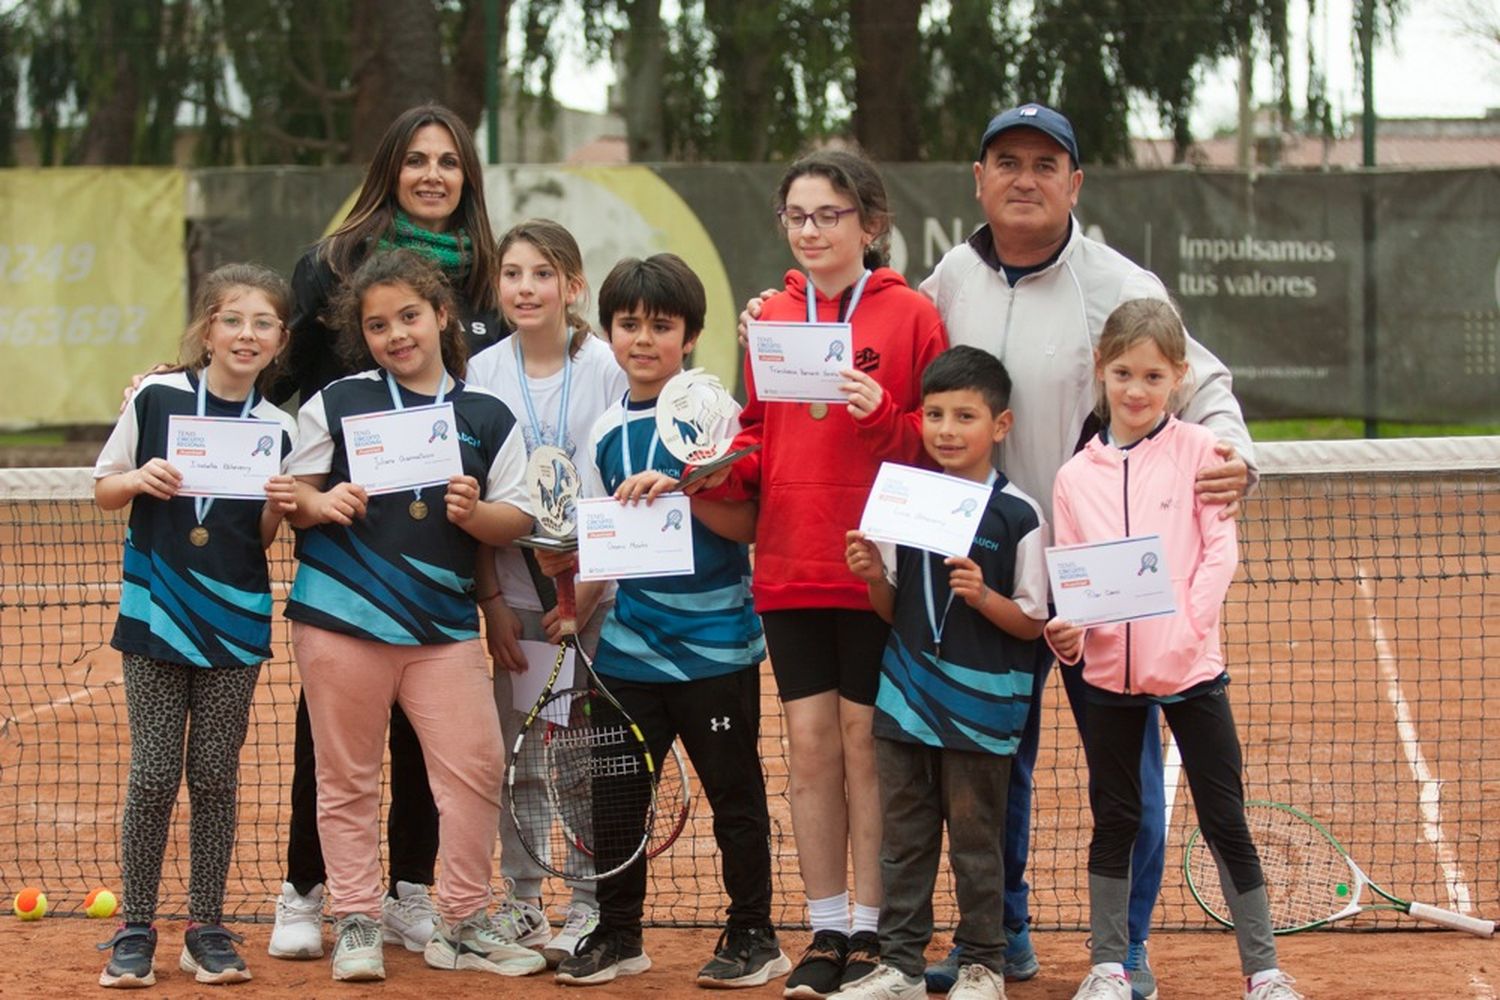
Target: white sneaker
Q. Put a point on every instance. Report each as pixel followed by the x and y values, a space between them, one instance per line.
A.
pixel 409 918
pixel 977 982
pixel 518 922
pixel 578 923
pixel 1278 987
pixel 474 943
pixel 299 924
pixel 1103 983
pixel 357 951
pixel 887 983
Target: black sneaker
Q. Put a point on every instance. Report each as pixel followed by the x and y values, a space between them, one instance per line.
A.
pixel 603 955
pixel 862 960
pixel 131 951
pixel 208 953
pixel 744 956
pixel 819 969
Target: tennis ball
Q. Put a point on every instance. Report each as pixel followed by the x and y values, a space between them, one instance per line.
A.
pixel 101 903
pixel 30 904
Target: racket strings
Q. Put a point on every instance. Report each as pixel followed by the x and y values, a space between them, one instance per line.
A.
pixel 673 798
pixel 1307 879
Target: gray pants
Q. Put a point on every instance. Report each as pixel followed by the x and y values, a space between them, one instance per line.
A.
pixel 921 789
pixel 516 863
pixel 208 710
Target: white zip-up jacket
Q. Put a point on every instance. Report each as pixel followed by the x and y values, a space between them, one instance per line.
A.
pixel 1044 330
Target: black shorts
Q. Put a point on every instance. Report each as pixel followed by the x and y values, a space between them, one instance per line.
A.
pixel 826 649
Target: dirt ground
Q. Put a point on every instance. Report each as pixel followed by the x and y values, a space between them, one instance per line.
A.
pixel 56 958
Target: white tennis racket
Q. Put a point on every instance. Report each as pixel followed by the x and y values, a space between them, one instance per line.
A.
pixel 1310 879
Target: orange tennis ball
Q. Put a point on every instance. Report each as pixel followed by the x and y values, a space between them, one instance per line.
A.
pixel 30 904
pixel 101 903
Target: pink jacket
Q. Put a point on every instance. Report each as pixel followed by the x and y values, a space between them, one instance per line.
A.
pixel 1104 493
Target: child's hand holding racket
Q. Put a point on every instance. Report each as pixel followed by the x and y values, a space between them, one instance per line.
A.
pixel 556 564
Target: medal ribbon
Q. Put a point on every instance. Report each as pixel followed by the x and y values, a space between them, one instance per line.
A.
pixel 932 619
pixel 390 381
pixel 812 298
pixel 625 438
pixel 562 406
pixel 202 505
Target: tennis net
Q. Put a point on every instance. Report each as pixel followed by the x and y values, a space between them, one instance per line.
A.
pixel 1362 637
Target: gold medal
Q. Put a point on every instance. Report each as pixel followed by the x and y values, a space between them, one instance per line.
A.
pixel 818 411
pixel 198 536
pixel 417 510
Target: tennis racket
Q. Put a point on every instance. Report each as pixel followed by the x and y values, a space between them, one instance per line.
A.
pixel 1310 879
pixel 674 803
pixel 590 813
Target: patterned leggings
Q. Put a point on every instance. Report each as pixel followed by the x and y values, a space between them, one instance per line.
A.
pixel 160 697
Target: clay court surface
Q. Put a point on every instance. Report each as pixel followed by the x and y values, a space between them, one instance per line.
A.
pixel 1363 638
pixel 56 958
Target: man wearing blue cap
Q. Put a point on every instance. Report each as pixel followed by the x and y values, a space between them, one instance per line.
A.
pixel 1031 288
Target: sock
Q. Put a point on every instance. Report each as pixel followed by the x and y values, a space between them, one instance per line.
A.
pixel 831 913
pixel 866 918
pixel 1109 903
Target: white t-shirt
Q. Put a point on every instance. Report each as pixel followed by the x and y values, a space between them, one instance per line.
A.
pixel 597 383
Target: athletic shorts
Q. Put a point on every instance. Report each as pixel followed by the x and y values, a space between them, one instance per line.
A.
pixel 825 649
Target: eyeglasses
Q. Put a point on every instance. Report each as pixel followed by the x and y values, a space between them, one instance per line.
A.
pixel 822 218
pixel 234 323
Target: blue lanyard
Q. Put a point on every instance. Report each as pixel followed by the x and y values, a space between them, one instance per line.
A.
pixel 390 381
pixel 202 505
pixel 625 438
pixel 812 298
pixel 932 619
pixel 562 406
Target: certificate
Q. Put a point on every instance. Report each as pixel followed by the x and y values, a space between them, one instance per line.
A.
pixel 618 541
pixel 224 456
pixel 926 510
pixel 800 362
pixel 402 449
pixel 1116 581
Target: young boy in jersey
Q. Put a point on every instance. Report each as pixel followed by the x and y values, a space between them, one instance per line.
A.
pixel 681 653
pixel 955 688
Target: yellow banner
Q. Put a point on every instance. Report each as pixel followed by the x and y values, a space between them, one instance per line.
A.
pixel 92 275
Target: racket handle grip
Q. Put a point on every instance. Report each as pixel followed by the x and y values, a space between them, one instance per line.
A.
pixel 1455 921
pixel 567 603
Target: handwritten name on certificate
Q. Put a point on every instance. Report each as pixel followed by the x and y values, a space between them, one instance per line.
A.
pixel 1106 582
pixel 926 510
pixel 618 541
pixel 800 362
pixel 224 456
pixel 402 449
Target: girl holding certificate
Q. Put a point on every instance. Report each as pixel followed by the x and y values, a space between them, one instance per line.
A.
pixel 195 615
pixel 812 477
pixel 383 613
pixel 1137 477
pixel 557 377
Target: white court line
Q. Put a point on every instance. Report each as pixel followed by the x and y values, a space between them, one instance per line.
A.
pixel 59 703
pixel 1430 787
pixel 1480 987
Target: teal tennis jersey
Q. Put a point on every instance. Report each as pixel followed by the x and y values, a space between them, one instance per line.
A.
pixel 208 605
pixel 390 577
pixel 972 691
pixel 670 628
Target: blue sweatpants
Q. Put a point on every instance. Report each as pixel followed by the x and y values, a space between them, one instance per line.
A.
pixel 1148 856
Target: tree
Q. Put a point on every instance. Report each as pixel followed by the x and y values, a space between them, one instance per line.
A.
pixel 887 65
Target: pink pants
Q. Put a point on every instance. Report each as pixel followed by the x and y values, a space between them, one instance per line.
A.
pixel 351 684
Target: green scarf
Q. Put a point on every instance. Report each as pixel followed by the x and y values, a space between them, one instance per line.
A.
pixel 449 251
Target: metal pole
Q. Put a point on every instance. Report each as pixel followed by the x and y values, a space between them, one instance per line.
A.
pixel 1367 213
pixel 492 78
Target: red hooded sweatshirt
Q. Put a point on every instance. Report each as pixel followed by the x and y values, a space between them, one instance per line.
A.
pixel 812 476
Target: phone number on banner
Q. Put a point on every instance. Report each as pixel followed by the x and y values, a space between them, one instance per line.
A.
pixel 24 262
pixel 76 326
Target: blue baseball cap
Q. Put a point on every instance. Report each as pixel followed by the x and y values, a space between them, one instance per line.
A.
pixel 1038 116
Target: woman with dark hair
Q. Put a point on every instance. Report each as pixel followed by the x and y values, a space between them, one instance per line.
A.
pixel 423 192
